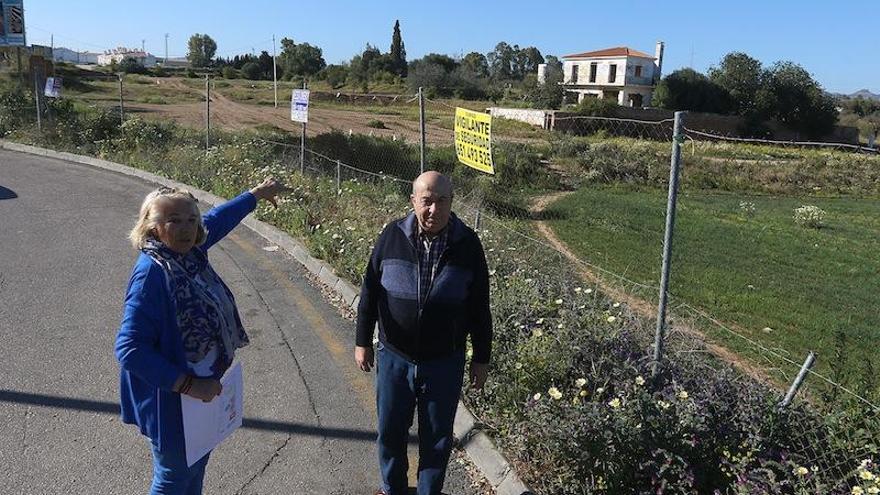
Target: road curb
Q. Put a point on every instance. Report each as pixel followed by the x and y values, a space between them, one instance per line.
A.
pixel 480 448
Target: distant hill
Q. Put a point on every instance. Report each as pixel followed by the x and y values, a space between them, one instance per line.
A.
pixel 864 93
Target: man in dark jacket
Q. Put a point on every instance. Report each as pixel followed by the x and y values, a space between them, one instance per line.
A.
pixel 427 285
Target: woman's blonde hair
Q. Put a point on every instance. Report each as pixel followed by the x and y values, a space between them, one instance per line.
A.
pixel 147 219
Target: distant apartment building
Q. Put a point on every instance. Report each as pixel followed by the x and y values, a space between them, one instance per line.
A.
pixel 625 75
pixel 118 54
pixel 74 57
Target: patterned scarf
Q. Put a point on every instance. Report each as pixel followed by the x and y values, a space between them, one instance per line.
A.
pixel 206 312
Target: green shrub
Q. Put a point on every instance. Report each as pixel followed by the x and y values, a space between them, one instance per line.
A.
pixel 596 107
pixel 14 113
pixel 229 73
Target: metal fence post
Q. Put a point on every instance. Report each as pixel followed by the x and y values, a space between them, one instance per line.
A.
pixel 422 130
pixel 677 138
pixel 207 112
pixel 302 144
pixel 477 218
pixel 37 102
pixel 121 103
pixel 338 176
pixel 798 381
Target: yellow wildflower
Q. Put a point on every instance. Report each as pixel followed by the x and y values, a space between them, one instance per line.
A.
pixel 555 393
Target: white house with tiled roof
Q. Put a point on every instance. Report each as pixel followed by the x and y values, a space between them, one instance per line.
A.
pixel 628 76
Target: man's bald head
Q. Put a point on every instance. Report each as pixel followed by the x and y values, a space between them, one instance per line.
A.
pixel 433 181
pixel 432 201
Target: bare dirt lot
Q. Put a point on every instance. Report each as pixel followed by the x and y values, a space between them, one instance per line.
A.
pixel 231 115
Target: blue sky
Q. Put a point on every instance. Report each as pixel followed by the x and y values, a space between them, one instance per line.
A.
pixel 838 42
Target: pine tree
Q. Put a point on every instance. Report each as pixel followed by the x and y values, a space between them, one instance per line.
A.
pixel 398 52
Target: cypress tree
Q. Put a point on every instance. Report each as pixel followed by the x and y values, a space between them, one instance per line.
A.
pixel 398 52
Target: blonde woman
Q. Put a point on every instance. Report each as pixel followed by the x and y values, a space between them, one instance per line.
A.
pixel 180 327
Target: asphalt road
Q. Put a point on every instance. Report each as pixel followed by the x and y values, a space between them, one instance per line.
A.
pixel 64 263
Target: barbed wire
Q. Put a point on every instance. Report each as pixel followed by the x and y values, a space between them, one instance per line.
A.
pixel 806 144
pixel 780 356
pixel 615 119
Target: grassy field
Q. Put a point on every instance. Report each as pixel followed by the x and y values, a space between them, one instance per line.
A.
pixel 787 286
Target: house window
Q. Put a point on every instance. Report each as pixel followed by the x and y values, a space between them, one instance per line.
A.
pixel 612 73
pixel 574 74
pixel 638 71
pixel 594 67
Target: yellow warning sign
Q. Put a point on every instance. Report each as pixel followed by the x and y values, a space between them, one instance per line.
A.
pixel 473 139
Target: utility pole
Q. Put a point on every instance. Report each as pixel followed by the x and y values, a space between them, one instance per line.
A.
pixel 121 102
pixel 422 130
pixel 302 143
pixel 274 71
pixel 37 101
pixel 207 112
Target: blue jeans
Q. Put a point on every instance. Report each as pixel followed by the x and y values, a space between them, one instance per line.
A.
pixel 401 386
pixel 171 476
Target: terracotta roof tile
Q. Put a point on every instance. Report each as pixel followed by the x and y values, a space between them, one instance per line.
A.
pixel 618 51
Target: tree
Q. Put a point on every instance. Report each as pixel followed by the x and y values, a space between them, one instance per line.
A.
pixel 335 75
pixel 229 72
pixel 862 107
pixel 201 50
pixel 448 63
pixel 554 67
pixel 550 93
pixel 687 89
pixel 131 65
pixel 430 76
pixel 501 61
pixel 466 85
pixel 793 98
pixel 265 63
pixel 398 52
pixel 526 61
pixel 742 77
pixel 251 70
pixel 300 59
pixel 475 63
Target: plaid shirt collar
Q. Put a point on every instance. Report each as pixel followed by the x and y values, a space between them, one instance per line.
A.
pixel 429 251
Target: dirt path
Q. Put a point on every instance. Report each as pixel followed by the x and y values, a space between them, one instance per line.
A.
pixel 645 309
pixel 231 115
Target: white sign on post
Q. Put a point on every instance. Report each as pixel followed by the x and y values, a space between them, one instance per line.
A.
pixel 299 105
pixel 53 87
pixel 207 424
